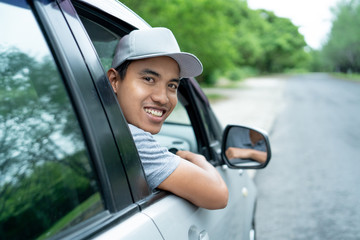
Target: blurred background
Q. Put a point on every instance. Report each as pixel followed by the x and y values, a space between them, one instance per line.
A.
pixel 236 39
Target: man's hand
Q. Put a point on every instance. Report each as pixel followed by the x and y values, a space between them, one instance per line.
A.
pixel 190 156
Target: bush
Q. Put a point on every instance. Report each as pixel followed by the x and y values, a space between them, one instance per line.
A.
pixel 239 74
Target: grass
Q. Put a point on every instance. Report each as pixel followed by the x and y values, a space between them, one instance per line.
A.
pixel 348 76
pixel 213 97
pixel 221 83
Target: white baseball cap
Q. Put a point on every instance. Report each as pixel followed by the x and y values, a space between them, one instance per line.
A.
pixel 156 42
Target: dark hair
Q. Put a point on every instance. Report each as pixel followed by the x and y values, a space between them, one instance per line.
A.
pixel 123 68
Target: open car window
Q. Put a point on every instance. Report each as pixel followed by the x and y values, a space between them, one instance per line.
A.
pixel 177 131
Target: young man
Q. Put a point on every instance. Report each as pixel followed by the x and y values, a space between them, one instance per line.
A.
pixel 145 74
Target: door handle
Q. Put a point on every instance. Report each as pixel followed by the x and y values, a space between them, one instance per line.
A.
pixel 204 236
pixel 195 234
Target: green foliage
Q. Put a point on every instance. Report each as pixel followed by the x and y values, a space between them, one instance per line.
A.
pixel 227 35
pixel 241 73
pixel 213 97
pixel 342 50
pixel 282 43
pixel 348 76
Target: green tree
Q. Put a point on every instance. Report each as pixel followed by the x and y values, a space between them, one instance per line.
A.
pixel 342 50
pixel 227 35
pixel 247 25
pixel 200 26
pixel 283 45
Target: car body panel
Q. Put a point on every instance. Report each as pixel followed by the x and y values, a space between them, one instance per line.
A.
pixel 138 226
pixel 118 10
pixel 132 210
pixel 175 217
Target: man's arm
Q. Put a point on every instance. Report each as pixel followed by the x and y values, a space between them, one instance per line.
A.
pixel 197 181
pixel 233 152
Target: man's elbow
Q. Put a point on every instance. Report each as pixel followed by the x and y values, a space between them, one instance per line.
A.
pixel 222 198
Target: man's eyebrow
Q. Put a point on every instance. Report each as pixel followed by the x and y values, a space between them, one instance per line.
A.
pixel 177 80
pixel 149 71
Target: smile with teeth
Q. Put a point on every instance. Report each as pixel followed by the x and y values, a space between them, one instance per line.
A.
pixel 154 112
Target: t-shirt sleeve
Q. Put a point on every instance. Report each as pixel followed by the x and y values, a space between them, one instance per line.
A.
pixel 157 161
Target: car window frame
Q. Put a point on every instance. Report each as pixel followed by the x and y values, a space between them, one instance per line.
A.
pixel 86 102
pixel 131 159
pixel 198 104
pixel 187 88
pixel 127 150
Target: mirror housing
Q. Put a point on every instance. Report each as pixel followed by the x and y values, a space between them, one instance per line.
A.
pixel 245 148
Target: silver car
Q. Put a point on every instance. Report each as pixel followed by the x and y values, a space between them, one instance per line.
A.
pixel 69 168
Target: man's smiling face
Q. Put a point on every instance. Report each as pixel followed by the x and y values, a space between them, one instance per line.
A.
pixel 148 93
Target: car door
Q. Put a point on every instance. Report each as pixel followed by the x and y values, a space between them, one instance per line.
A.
pixel 242 191
pixel 61 174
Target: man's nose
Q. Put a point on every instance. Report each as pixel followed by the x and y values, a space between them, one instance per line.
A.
pixel 160 95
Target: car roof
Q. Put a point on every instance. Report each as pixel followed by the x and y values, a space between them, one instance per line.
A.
pixel 117 10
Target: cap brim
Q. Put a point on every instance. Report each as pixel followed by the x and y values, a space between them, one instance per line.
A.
pixel 190 65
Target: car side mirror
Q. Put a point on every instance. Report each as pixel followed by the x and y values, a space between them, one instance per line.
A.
pixel 245 148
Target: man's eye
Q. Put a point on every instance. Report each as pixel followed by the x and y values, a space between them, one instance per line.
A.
pixel 148 79
pixel 173 86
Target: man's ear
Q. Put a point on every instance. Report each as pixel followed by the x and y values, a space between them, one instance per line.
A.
pixel 112 76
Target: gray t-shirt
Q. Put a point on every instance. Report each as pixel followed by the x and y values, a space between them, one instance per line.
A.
pixel 157 161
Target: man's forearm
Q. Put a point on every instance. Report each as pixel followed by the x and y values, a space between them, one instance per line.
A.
pixel 201 162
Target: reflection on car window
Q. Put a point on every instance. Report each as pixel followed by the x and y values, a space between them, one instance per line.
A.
pixel 46 180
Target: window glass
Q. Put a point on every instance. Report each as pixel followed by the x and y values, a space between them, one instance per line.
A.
pixel 103 39
pixel 179 115
pixel 47 183
pixel 177 131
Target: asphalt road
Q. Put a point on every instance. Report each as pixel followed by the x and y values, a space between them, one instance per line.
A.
pixel 311 188
pixel 254 103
